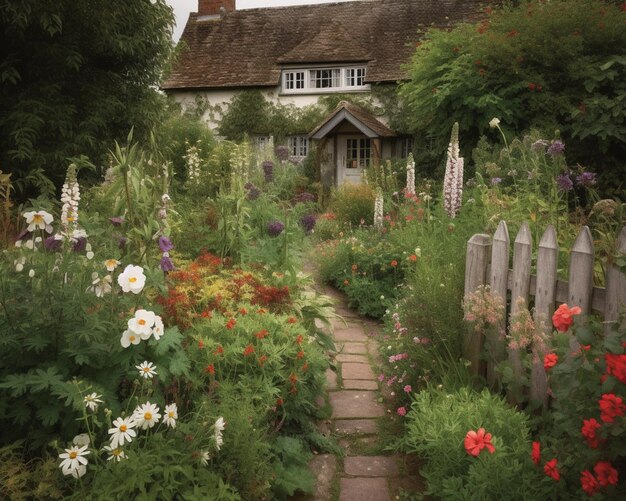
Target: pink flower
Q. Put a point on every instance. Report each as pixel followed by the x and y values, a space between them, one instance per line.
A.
pixel 401 411
pixel 476 441
pixel 381 377
pixel 408 388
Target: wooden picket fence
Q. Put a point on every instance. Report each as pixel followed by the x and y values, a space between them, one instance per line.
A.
pixel 487 263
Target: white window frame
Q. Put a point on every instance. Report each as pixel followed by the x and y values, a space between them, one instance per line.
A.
pixel 298 146
pixel 358 152
pixel 324 79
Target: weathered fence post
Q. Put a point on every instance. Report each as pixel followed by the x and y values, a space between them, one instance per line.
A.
pixel 499 282
pixel 580 276
pixel 520 288
pixel 476 264
pixel 615 285
pixel 547 259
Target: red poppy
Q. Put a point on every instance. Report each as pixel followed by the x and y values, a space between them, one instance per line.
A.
pixel 231 323
pixel 550 360
pixel 394 263
pixel 589 483
pixel 413 257
pixel 476 441
pixel 562 318
pixel 607 475
pixel 248 351
pixel 536 452
pixel 611 406
pixel 551 470
pixel 210 369
pixel 262 334
pixel 588 430
pixel 616 366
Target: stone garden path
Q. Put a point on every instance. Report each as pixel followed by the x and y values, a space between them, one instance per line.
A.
pixel 359 416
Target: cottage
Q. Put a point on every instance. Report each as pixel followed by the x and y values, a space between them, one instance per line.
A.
pixel 297 54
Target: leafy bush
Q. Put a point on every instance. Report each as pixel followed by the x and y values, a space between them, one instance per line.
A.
pixel 354 204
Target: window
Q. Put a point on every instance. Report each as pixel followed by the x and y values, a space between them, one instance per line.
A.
pixel 355 77
pixel 294 80
pixel 358 153
pixel 261 142
pixel 325 78
pixel 298 146
pixel 406 146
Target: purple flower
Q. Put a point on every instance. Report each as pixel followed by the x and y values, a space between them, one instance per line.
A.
pixel 79 244
pixel 564 182
pixel 556 148
pixel 539 146
pixel 268 170
pixel 275 228
pixel 586 179
pixel 304 197
pixel 53 243
pixel 495 181
pixel 23 234
pixel 282 153
pixel 253 191
pixel 165 244
pixel 121 242
pixel 116 221
pixel 308 222
pixel 167 264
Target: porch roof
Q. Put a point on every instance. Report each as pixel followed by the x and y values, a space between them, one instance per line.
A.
pixel 361 119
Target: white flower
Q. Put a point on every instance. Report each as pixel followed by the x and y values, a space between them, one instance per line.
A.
pixel 92 401
pixel 146 369
pixel 171 415
pixel 89 255
pixel 123 431
pixel 142 323
pixel 157 330
pixel 115 453
pixel 31 273
pixel 132 279
pixel 38 220
pixel 111 264
pixel 100 287
pixel 146 416
pixel 218 428
pixel 81 440
pixel 73 458
pixel 129 337
pixel 494 122
pixel 204 458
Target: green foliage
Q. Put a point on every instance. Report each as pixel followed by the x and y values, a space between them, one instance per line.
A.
pixel 537 64
pixel 247 114
pixel 353 203
pixel 292 473
pixel 24 480
pixel 436 428
pixel 77 75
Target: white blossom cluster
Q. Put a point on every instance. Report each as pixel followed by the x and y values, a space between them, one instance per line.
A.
pixel 192 159
pixel 70 196
pixel 410 175
pixel 453 179
pixel 378 210
pixel 239 161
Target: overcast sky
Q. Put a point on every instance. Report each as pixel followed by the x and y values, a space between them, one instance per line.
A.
pixel 182 8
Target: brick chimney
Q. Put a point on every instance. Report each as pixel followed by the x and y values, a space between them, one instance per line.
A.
pixel 212 7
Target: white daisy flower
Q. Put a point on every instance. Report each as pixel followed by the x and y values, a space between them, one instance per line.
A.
pixel 158 329
pixel 92 401
pixel 81 440
pixel 111 264
pixel 73 458
pixel 123 431
pixel 218 428
pixel 132 279
pixel 38 220
pixel 146 416
pixel 204 457
pixel 115 453
pixel 129 337
pixel 146 369
pixel 171 415
pixel 142 323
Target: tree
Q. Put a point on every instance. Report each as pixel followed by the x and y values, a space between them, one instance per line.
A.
pixel 547 65
pixel 75 75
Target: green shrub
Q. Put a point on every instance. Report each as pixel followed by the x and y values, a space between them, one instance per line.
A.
pixel 354 203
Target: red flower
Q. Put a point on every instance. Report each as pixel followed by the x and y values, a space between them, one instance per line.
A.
pixel 201 345
pixel 291 320
pixel 279 402
pixel 210 369
pixel 589 429
pixel 305 367
pixel 300 354
pixel 536 453
pixel 551 470
pixel 243 311
pixel 550 360
pixel 607 475
pixel 476 441
pixel 219 350
pixel 262 360
pixel 611 406
pixel 262 334
pixel 413 257
pixel 562 318
pixel 531 86
pixel 248 351
pixel 616 366
pixel 346 282
pixel 299 339
pixel 231 323
pixel 293 378
pixel 394 263
pixel 589 483
pixel 206 314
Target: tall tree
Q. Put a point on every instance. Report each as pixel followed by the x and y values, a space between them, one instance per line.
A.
pixel 76 74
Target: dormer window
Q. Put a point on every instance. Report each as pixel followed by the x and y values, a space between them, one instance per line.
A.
pixel 318 80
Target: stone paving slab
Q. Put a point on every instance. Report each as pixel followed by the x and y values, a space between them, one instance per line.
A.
pixel 331 379
pixel 364 489
pixel 324 468
pixel 354 348
pixel 348 404
pixel 350 333
pixel 371 466
pixel 359 384
pixel 355 426
pixel 346 357
pixel 352 370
